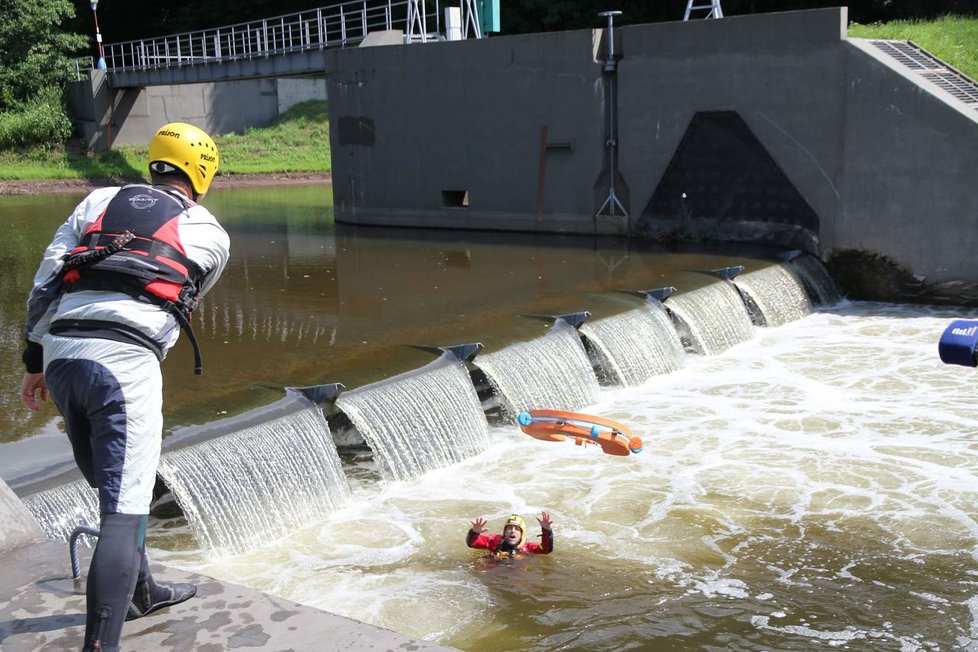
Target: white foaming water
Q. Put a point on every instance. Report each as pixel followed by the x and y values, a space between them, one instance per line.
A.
pixel 552 371
pixel 637 344
pixel 241 490
pixel 815 486
pixel 778 294
pixel 421 420
pixel 715 316
pixel 60 510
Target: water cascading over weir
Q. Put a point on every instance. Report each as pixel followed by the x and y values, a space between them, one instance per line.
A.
pixel 552 371
pixel 821 287
pixel 246 480
pixel 712 318
pixel 260 482
pixel 636 345
pixel 240 482
pixel 776 293
pixel 60 510
pixel 420 420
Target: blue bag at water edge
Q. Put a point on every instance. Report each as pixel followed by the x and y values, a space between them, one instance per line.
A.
pixel 959 343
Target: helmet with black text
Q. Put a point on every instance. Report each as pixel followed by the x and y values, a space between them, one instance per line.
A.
pixel 182 147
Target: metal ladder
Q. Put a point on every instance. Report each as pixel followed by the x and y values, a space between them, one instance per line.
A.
pixel 715 10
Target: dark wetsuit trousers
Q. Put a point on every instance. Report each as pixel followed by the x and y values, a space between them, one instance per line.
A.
pixel 110 395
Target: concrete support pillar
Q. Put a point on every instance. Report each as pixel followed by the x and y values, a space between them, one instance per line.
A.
pixel 91 103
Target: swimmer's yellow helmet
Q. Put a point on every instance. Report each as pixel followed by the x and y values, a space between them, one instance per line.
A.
pixel 517 520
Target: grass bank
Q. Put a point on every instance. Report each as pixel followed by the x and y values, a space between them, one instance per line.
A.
pixel 952 38
pixel 298 141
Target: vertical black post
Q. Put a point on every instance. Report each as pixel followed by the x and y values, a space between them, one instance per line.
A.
pixel 612 203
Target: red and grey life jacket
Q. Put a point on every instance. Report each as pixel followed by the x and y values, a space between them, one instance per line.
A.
pixel 134 247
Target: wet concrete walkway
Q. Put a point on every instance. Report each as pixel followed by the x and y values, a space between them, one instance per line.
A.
pixel 43 608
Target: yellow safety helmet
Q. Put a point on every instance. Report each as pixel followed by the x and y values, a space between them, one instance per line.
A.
pixel 187 149
pixel 517 520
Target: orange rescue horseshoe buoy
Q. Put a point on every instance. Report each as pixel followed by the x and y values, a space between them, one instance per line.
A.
pixel 557 425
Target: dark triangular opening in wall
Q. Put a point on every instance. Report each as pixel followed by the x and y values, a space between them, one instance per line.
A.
pixel 734 190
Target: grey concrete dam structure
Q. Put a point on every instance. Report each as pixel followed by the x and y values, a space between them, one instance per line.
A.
pixel 773 128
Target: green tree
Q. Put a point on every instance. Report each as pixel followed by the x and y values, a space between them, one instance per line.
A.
pixel 36 56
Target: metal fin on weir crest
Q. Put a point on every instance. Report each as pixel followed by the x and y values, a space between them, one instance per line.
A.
pixel 726 273
pixel 655 294
pixel 574 319
pixel 464 352
pixel 320 394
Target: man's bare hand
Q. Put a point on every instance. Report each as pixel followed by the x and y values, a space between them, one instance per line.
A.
pixel 544 520
pixel 32 388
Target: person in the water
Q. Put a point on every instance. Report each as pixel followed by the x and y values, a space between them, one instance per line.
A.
pixel 513 539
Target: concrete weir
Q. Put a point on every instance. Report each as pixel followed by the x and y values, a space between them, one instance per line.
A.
pixel 43 608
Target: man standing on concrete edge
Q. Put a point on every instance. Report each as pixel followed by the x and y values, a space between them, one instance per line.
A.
pixel 116 285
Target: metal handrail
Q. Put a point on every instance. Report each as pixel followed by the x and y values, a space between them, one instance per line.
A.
pixel 82 63
pixel 340 25
pixel 73 547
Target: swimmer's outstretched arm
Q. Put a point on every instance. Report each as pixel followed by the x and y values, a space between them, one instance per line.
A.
pixel 478 527
pixel 546 533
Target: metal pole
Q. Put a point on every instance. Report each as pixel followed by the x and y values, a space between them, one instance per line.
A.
pixel 98 36
pixel 611 68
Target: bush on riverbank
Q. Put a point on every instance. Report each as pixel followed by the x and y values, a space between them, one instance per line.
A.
pixel 298 141
pixel 42 120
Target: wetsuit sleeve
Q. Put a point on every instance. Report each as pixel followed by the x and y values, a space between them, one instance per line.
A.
pixel 44 294
pixel 482 541
pixel 33 357
pixel 212 247
pixel 545 547
pixel 223 250
pixel 547 542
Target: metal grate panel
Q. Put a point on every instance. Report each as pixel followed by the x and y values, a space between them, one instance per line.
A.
pixel 932 69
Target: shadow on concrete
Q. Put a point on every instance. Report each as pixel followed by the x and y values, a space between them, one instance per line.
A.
pixel 37 624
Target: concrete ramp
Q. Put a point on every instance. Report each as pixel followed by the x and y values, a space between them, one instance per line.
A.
pixel 43 608
pixel 19 527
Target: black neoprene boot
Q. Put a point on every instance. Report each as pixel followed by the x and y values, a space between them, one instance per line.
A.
pixel 151 596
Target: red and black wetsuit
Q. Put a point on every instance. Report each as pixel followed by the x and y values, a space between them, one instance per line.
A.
pixel 491 542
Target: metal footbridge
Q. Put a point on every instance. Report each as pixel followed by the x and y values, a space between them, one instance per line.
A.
pixel 288 45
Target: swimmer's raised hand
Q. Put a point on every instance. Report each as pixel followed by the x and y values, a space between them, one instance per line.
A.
pixel 479 525
pixel 544 520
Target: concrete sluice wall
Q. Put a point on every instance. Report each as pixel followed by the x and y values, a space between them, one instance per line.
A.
pixel 776 127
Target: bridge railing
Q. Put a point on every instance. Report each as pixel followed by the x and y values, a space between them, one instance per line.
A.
pixel 338 25
pixel 82 65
